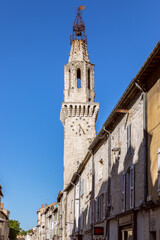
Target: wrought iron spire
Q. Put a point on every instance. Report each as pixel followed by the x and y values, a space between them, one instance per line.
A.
pixel 79 27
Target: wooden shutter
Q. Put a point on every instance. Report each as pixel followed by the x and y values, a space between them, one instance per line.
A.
pixel 158 172
pixel 132 186
pixel 104 201
pixel 94 212
pixel 129 139
pixel 123 191
pixel 82 218
pixel 97 209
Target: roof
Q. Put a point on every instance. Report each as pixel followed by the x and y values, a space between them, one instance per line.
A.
pixel 125 101
pixel 47 206
pixel 60 194
pixel 1 194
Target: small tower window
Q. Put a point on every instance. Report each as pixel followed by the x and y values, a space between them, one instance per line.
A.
pixel 69 87
pixel 89 81
pixel 78 78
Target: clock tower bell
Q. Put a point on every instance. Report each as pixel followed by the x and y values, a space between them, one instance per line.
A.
pixel 78 111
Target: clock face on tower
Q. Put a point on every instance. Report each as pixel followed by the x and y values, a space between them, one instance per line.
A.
pixel 80 126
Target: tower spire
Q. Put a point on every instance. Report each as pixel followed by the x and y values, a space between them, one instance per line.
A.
pixel 79 27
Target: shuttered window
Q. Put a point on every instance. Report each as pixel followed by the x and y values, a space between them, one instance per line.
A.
pixel 76 204
pixel 159 172
pixel 129 139
pixel 123 191
pixel 82 187
pixel 104 203
pixel 97 209
pixel 94 212
pixel 82 213
pixel 132 186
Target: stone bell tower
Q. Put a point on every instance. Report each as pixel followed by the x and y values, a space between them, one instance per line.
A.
pixel 78 111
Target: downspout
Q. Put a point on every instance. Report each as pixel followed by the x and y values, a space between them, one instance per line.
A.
pixel 145 142
pixel 92 195
pixel 109 183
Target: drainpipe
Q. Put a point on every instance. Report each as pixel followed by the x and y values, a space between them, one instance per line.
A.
pixel 92 195
pixel 109 182
pixel 145 142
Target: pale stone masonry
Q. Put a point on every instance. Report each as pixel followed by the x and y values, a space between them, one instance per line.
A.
pixel 106 196
pixel 4 217
pixel 112 179
pixel 79 111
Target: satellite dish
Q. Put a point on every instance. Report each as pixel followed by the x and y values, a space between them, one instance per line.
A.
pixel 81 8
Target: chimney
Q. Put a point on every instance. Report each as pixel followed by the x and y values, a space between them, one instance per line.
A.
pixel 1 205
pixel 45 205
pixel 42 206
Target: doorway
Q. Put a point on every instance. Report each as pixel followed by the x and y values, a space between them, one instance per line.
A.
pixel 127 233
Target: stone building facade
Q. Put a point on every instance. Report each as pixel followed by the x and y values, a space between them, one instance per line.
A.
pixel 114 192
pixel 4 216
pixel 112 179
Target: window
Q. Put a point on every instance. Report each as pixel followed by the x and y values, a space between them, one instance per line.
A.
pixel 71 206
pixel 128 189
pixel 153 235
pixel 132 186
pixel 129 139
pixel 78 78
pixel 126 233
pixel 100 171
pixel 123 191
pixel 81 217
pixel 159 172
pixel 69 85
pixel 89 81
pixel 82 187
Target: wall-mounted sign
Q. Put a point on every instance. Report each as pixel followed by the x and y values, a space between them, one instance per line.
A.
pixel 98 230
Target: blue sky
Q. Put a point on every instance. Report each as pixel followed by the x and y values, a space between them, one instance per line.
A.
pixel 34 46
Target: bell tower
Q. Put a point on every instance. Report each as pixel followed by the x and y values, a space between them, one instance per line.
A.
pixel 78 111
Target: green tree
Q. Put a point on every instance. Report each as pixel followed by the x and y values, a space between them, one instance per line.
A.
pixel 14 229
pixel 23 233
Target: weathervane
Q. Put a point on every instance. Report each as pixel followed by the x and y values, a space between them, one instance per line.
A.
pixel 79 27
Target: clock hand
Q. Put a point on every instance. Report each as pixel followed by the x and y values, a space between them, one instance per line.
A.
pixel 81 128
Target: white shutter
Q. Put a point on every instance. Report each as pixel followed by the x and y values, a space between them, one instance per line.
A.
pixel 123 191
pixel 77 191
pixel 76 206
pixel 158 172
pixel 82 186
pixel 76 214
pixel 132 186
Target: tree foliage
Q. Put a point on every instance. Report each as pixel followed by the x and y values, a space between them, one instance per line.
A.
pixel 14 229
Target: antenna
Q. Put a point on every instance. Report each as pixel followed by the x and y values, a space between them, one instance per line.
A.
pixel 79 27
pixel 82 8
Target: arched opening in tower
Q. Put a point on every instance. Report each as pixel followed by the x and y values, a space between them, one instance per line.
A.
pixel 89 81
pixel 78 78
